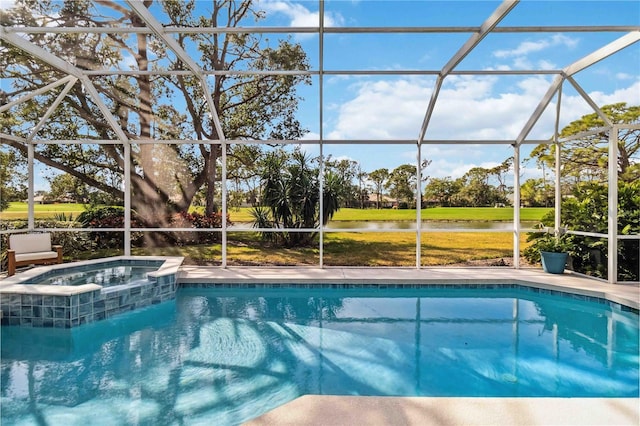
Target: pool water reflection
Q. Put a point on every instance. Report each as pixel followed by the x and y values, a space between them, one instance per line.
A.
pixel 225 356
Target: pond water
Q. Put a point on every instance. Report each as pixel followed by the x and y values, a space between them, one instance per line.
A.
pixel 374 225
pixel 407 224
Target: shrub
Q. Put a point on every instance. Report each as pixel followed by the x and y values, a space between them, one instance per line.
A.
pixel 97 214
pixel 262 219
pixel 108 217
pixel 199 221
pixel 587 211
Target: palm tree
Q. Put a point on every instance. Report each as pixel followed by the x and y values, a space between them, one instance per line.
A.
pixel 290 194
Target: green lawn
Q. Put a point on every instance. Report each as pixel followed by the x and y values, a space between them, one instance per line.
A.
pixel 530 214
pixel 443 213
pixel 350 249
pixel 18 210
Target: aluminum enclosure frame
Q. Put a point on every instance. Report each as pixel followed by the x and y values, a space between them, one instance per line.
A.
pixel 477 34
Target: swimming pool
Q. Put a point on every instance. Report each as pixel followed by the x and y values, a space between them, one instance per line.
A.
pixel 223 356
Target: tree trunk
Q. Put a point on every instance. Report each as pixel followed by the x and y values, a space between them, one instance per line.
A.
pixel 210 202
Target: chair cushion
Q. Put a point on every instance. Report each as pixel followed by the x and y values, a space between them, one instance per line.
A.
pixel 36 256
pixel 30 243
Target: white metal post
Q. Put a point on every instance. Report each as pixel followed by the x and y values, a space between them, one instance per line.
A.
pixel 612 212
pixel 516 206
pixel 558 193
pixel 320 130
pixel 418 205
pixel 30 212
pixel 127 198
pixel 223 182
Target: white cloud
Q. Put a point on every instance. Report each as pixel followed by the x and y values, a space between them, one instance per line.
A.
pixel 624 76
pixel 311 136
pixel 630 95
pixel 520 54
pixel 383 110
pixel 468 107
pixel 527 47
pixel 299 15
pixel 546 65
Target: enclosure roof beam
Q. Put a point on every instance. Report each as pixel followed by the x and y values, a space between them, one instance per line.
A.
pixel 329 30
pixel 544 102
pixel 602 53
pixel 52 108
pixel 590 101
pixel 585 134
pixel 6 137
pixel 40 53
pixel 38 92
pixel 67 68
pixel 501 11
pixel 570 70
pixel 505 7
pixel 157 28
pixel 324 71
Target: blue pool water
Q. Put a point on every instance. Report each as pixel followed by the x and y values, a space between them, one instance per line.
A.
pixel 106 274
pixel 106 277
pixel 218 356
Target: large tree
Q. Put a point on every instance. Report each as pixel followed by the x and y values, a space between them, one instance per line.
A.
pixel 12 179
pixel 585 159
pixel 402 183
pixel 536 193
pixel 442 190
pixel 379 178
pixel 146 106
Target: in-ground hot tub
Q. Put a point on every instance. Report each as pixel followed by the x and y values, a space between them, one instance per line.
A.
pixel 77 293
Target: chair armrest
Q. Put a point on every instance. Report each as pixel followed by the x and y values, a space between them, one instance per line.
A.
pixel 11 262
pixel 58 250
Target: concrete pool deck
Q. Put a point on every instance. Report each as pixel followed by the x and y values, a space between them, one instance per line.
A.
pixel 362 410
pixel 627 294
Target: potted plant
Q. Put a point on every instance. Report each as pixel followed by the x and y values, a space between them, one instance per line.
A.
pixel 553 250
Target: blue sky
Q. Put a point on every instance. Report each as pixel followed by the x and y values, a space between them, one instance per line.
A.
pixel 469 107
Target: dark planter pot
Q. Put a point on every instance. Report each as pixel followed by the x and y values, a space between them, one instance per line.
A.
pixel 552 262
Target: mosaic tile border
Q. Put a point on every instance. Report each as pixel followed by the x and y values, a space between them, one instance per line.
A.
pixel 34 310
pixel 416 286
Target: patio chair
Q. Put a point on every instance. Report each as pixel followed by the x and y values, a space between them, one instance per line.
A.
pixel 32 249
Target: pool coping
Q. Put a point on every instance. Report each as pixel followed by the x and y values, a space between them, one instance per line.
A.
pixel 13 284
pixel 334 410
pixel 624 294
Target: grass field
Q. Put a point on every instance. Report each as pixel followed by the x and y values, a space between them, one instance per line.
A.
pixel 340 248
pixel 530 214
pixel 41 211
pixel 443 213
pixel 343 249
